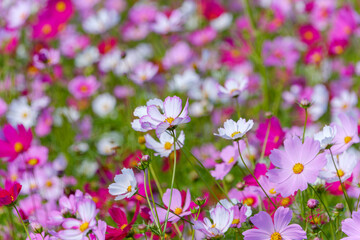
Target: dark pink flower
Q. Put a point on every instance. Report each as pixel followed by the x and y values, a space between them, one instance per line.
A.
pixel 275 136
pixel 9 194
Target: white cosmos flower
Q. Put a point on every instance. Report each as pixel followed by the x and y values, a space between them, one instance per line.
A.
pixel 326 136
pixel 107 144
pixel 19 112
pixel 234 86
pixel 102 21
pixel 142 111
pixel 18 14
pixel 222 22
pixel 103 104
pixel 125 185
pixel 234 130
pixel 345 102
pixel 87 57
pixel 166 144
pixel 345 164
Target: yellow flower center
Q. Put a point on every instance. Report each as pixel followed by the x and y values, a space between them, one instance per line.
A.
pixel 347 139
pixel 272 191
pixel 84 88
pixel 339 49
pixel 18 147
pixel 233 135
pixel 169 120
pixel 33 161
pixel 46 29
pixel 25 115
pixel 276 236
pixel 340 173
pixel 249 201
pixel 231 160
pixel 167 145
pixel 141 140
pixel 129 188
pixel 316 57
pixel 276 139
pixel 298 168
pixel 285 201
pixel 84 226
pixel 123 226
pixel 95 199
pixel 60 6
pixel 308 35
pixel 235 221
pixel 178 211
pixel 49 183
pixel 213 226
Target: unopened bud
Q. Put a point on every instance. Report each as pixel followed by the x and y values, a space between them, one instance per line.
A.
pixel 312 203
pixel 240 185
pixel 200 201
pixel 304 103
pixel 339 207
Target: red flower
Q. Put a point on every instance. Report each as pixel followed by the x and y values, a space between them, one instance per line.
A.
pixel 120 219
pixel 9 194
pixel 13 142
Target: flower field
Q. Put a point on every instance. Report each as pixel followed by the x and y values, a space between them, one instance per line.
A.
pixel 182 119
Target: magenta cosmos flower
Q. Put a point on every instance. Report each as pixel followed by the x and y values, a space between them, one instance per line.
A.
pixel 13 142
pixel 350 227
pixel 83 87
pixel 169 118
pixel 298 164
pixel 274 230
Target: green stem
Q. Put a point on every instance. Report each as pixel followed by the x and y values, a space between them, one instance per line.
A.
pixel 11 223
pixel 172 182
pixel 252 174
pixel 156 180
pixel 150 206
pixel 306 117
pixel 341 183
pixel 152 198
pixel 22 222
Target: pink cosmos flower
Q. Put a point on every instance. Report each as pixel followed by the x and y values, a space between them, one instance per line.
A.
pixel 309 34
pixel 35 156
pixel 346 135
pixel 279 228
pixel 144 72
pixel 284 56
pixel 171 117
pixel 141 13
pixel 230 157
pixel 180 205
pixel 44 123
pixel 249 196
pixel 46 57
pixel 275 135
pixel 260 170
pixel 202 36
pixel 14 142
pixel 234 86
pixel 180 53
pixel 314 55
pixel 83 87
pixel 207 154
pixel 350 226
pixel 78 228
pixel 344 24
pixel 298 164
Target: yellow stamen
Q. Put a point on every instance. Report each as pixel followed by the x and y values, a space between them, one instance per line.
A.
pixel 169 120
pixel 129 188
pixel 141 140
pixel 234 134
pixel 178 211
pixel 33 161
pixel 276 236
pixel 272 191
pixel 235 221
pixel 60 6
pixel 249 201
pixel 46 29
pixel 18 147
pixel 213 226
pixel 123 226
pixel 48 183
pixel 167 145
pixel 285 201
pixel 347 139
pixel 298 168
pixel 231 160
pixel 84 88
pixel 308 35
pixel 276 139
pixel 84 226
pixel 340 173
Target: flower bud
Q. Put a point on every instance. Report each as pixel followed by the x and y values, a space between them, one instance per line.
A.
pixel 304 103
pixel 339 207
pixel 312 203
pixel 200 201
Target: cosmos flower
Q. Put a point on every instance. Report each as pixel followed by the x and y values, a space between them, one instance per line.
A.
pixel 102 21
pixel 180 205
pixel 350 226
pixel 20 112
pixel 103 104
pixel 172 116
pixel 46 57
pixel 221 221
pixel 271 131
pixel 298 164
pixel 144 72
pixel 125 185
pixel 279 228
pixel 235 130
pixel 35 156
pixel 9 193
pixel 14 141
pixel 326 136
pixel 166 144
pixel 345 164
pixel 83 87
pixel 234 86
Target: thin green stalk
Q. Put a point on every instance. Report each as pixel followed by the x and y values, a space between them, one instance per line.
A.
pixel 252 174
pixel 152 198
pixel 150 206
pixel 236 99
pixel 22 222
pixel 156 181
pixel 306 117
pixel 11 223
pixel 357 203
pixel 341 183
pixel 172 182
